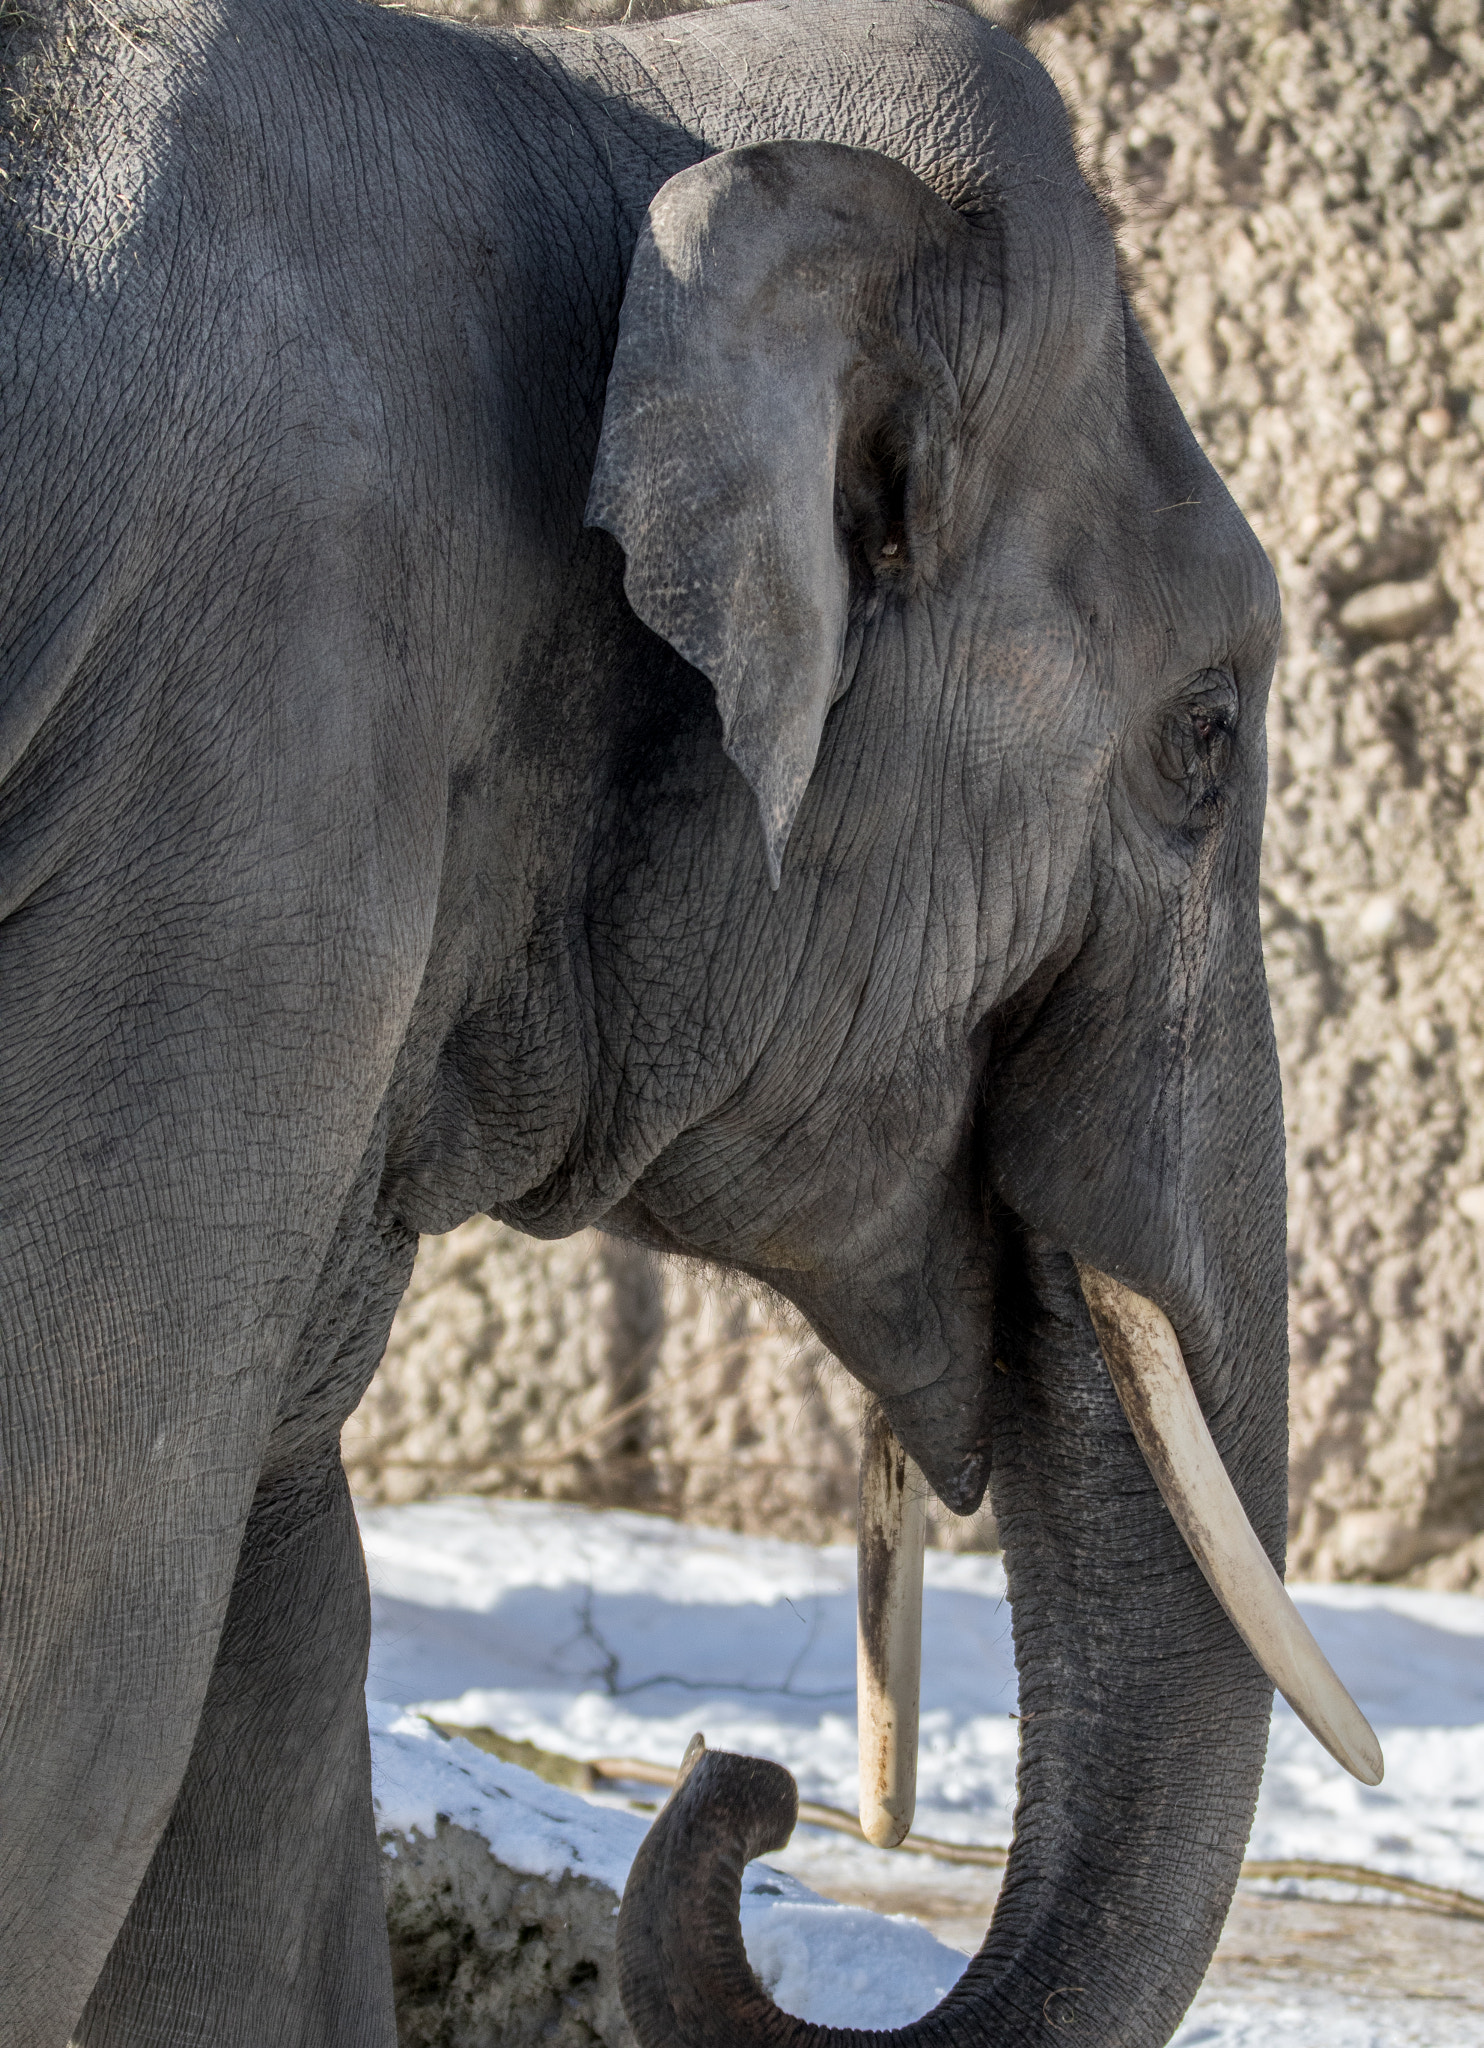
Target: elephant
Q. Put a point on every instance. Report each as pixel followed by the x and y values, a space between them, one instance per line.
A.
pixel 609 626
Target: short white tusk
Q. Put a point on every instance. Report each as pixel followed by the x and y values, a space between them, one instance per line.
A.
pixel 891 1532
pixel 1143 1356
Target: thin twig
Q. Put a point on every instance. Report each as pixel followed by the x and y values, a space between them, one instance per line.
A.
pixel 514 1461
pixel 1463 1905
pixel 633 1770
pixel 618 1688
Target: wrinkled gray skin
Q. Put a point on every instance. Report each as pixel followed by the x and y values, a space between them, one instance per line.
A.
pixel 371 859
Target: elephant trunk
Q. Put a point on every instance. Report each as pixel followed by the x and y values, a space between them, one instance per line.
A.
pixel 1143 1727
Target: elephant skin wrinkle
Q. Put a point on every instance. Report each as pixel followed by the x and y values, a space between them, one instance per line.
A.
pixel 1361 464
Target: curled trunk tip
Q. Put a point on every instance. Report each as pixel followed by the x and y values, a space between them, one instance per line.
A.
pixel 683 1973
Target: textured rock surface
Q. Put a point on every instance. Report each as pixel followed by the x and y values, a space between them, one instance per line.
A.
pixel 484 1954
pixel 1303 185
pixel 504 1351
pixel 587 1371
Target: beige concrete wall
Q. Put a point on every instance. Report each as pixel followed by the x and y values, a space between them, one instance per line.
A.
pixel 588 1371
pixel 1306 219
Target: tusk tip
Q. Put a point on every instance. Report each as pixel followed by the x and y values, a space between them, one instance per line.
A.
pixel 1366 1763
pixel 1336 1722
pixel 1346 1733
pixel 1144 1359
pixel 882 1828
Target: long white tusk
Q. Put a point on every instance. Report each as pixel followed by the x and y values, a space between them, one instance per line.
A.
pixel 1143 1356
pixel 891 1532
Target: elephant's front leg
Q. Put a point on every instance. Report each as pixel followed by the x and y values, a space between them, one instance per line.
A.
pixel 260 1922
pixel 194 1095
pixel 184 1767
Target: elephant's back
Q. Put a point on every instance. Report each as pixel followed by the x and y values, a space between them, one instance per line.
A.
pixel 238 291
pixel 961 103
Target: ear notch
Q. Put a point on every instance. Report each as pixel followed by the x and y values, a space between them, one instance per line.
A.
pixel 775 432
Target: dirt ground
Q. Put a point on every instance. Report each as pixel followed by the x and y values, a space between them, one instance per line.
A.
pixel 1272 1944
pixel 1361 1951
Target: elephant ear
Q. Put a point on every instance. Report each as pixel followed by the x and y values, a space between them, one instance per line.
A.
pixel 771 417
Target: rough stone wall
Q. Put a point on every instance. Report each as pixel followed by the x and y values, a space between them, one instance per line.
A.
pixel 588 1371
pixel 482 1953
pixel 506 1352
pixel 1303 189
pixel 1304 186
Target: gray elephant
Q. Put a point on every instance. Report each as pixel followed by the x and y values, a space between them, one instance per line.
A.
pixel 606 628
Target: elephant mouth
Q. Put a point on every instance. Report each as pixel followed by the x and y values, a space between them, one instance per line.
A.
pixel 1148 1370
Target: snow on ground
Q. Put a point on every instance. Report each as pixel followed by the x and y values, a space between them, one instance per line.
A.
pixel 533 1827
pixel 618 1634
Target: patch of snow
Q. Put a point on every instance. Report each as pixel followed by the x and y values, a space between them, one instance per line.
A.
pixel 841 1966
pixel 1323 2020
pixel 419 1775
pixel 827 1962
pixel 621 1634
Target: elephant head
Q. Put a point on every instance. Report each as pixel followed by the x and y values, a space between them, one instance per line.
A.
pixel 893 468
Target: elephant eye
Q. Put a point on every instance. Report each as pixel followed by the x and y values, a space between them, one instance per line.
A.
pixel 1196 743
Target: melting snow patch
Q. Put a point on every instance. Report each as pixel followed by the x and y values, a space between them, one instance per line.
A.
pixel 419 1775
pixel 844 1967
pixel 837 1964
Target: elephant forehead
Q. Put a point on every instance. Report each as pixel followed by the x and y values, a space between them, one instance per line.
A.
pixel 1132 579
